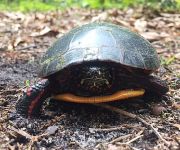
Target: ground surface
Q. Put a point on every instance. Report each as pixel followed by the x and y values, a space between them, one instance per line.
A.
pixel 24 38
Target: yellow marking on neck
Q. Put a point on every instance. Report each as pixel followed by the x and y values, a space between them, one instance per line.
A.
pixel 120 95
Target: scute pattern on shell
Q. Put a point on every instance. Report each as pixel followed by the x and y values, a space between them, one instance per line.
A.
pixel 102 42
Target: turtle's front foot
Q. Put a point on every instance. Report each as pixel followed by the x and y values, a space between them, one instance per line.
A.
pixel 31 102
pixel 159 86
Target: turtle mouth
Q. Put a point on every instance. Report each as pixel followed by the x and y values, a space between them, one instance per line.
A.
pixel 119 95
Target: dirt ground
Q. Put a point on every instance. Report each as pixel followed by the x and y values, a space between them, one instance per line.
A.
pixel 25 37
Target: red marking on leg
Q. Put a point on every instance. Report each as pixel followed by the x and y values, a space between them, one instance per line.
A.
pixel 34 103
pixel 28 92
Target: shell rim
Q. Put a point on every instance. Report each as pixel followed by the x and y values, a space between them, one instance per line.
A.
pixel 149 71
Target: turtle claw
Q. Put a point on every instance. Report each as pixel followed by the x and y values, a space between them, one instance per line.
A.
pixel 31 102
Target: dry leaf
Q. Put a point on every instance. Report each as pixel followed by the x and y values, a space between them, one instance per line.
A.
pixel 140 25
pixel 177 56
pixel 45 31
pixel 17 41
pixel 177 126
pixel 154 36
pixel 51 130
pixel 100 17
pixel 176 105
pixel 123 23
pixel 15 16
pixel 151 36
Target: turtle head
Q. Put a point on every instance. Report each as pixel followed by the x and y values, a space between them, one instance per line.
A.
pixel 96 79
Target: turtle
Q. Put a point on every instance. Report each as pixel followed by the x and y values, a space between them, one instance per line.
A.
pixel 95 63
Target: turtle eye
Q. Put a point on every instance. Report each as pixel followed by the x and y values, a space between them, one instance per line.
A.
pixel 107 82
pixel 82 81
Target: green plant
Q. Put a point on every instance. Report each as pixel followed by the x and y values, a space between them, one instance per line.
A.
pixel 44 5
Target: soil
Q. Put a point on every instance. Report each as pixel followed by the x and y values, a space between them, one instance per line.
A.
pixel 62 125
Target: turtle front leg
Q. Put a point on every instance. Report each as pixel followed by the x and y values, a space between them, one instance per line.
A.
pixel 30 103
pixel 153 86
pixel 159 86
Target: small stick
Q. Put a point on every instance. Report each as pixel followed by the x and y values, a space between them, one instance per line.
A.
pixel 21 132
pixel 138 135
pixel 155 130
pixel 27 47
pixel 134 139
pixel 32 138
pixel 118 110
pixel 120 138
pixel 128 114
pixel 92 130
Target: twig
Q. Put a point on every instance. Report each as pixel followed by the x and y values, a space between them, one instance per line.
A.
pixel 120 138
pixel 53 121
pixel 27 47
pixel 92 130
pixel 118 110
pixel 138 135
pixel 125 113
pixel 32 138
pixel 177 139
pixel 155 130
pixel 132 140
pixel 21 132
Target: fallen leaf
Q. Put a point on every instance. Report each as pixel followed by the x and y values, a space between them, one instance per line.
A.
pixel 100 17
pixel 154 36
pixel 123 23
pixel 15 16
pixel 17 41
pixel 51 130
pixel 21 132
pixel 177 56
pixel 140 25
pixel 176 105
pixel 177 126
pixel 45 31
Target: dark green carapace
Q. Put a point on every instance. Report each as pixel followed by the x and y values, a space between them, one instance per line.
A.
pixel 99 42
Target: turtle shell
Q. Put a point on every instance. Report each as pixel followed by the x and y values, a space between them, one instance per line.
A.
pixel 99 42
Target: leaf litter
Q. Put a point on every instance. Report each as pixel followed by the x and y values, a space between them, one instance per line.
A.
pixel 24 39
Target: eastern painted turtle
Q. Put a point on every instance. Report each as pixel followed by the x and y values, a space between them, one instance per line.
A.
pixel 94 63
